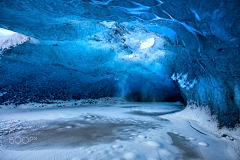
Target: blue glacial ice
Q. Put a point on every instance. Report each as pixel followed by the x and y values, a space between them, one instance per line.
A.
pixel 142 50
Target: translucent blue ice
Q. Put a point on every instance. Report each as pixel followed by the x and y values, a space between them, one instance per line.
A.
pixel 99 48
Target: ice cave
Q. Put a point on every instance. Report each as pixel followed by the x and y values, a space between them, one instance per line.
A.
pixel 119 80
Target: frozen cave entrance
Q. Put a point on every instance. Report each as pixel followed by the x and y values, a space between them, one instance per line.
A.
pixel 119 79
pixel 162 60
pixel 116 60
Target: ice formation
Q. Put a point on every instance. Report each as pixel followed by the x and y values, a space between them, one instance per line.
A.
pixel 11 39
pixel 182 81
pixel 142 50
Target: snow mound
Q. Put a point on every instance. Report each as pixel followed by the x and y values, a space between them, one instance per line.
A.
pixel 202 120
pixel 202 144
pixel 153 144
pixel 129 156
pixel 12 41
pixel 141 136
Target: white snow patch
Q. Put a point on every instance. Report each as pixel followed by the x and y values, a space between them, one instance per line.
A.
pixel 141 136
pixel 5 32
pixel 12 41
pixel 159 147
pixel 129 156
pixel 164 152
pixel 205 122
pixel 153 144
pixel 202 144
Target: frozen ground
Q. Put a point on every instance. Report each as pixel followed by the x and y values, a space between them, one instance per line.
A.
pixel 110 131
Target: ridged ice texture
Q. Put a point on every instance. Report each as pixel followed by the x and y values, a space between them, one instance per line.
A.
pixel 115 61
pixel 197 40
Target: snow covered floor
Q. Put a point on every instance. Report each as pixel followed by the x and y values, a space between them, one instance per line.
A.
pixel 120 131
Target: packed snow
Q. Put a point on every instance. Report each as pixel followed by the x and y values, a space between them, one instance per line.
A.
pixel 108 131
pixel 11 39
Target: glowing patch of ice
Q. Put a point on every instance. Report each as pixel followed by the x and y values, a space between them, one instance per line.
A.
pixel 195 14
pixel 202 144
pixel 148 43
pixel 130 56
pixel 162 30
pixel 5 32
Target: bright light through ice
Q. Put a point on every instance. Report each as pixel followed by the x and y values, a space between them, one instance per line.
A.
pixel 4 32
pixel 148 43
pixel 130 56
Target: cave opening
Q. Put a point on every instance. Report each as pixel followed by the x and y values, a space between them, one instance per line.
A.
pixel 125 60
pixel 119 79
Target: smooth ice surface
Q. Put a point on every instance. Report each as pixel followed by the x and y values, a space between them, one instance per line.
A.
pixel 104 131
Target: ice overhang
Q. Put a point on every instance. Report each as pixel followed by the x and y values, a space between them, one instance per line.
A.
pixel 10 39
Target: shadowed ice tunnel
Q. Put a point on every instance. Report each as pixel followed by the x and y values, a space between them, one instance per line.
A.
pixel 142 50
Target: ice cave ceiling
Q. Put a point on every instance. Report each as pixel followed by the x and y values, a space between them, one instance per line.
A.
pixel 144 50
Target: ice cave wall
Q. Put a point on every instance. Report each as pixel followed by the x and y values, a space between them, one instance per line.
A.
pixel 195 49
pixel 97 64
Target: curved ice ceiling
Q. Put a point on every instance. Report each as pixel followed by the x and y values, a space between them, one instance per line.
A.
pixel 144 50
